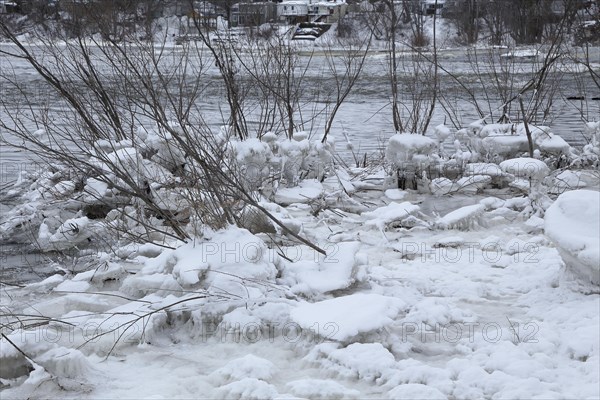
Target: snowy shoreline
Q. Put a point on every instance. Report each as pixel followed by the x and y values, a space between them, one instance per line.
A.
pixel 202 252
pixel 419 296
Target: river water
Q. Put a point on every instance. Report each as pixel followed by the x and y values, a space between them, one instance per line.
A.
pixel 365 115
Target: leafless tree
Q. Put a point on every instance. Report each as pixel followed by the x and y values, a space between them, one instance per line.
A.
pixel 108 90
pixel 344 69
pixel 275 66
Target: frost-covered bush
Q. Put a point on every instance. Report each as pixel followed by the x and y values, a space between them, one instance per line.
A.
pixel 528 176
pixel 497 142
pixel 590 154
pixel 408 155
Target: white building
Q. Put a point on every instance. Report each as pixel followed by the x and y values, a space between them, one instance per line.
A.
pixel 296 11
pixel 6 6
pixel 293 11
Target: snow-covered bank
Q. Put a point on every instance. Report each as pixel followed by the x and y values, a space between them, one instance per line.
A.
pixel 465 305
pixel 573 223
pixel 424 274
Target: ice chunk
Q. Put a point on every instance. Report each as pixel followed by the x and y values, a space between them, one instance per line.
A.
pixel 343 318
pixel 464 217
pixel 321 389
pixel 412 391
pixel 441 186
pixel 336 271
pixel 95 189
pixel 395 194
pixel 365 361
pixel 247 389
pixel 567 180
pixel 573 224
pixel 390 213
pixel 442 132
pixel 509 145
pixel 525 167
pixel 71 233
pixel 249 366
pixel 307 190
pixel 472 184
pixel 63 362
pixel 488 169
pixel 406 148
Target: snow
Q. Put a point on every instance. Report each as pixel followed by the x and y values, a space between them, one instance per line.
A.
pixel 364 361
pixel 525 167
pixel 375 318
pixel 403 149
pixel 573 223
pixel 321 389
pixel 249 366
pixel 72 232
pixel 412 391
pixel 395 194
pixel 393 212
pixel 306 191
pixel 463 217
pixel 339 270
pixel 488 169
pixel 247 388
pixel 343 318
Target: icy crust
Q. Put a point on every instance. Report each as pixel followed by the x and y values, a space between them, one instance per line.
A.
pixel 573 224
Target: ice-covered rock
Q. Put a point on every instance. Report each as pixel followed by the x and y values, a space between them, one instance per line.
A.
pixel 573 224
